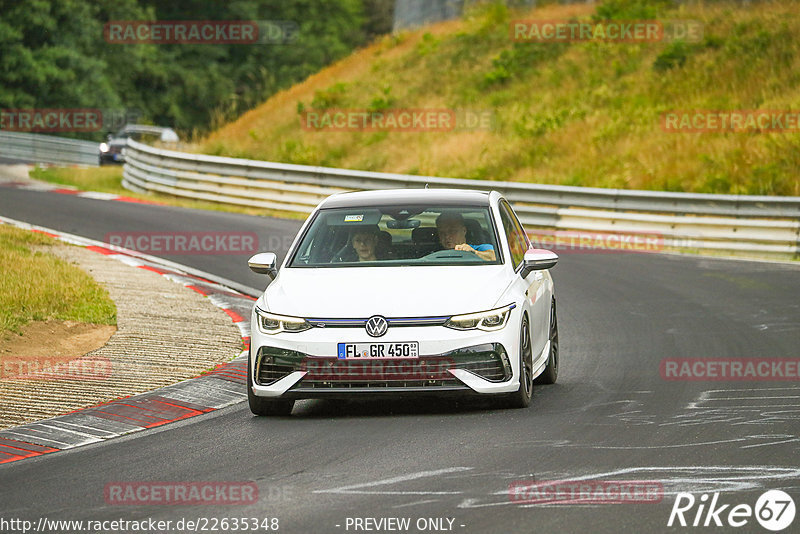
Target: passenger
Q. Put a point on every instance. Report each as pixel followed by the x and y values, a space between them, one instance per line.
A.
pixel 365 243
pixel 453 235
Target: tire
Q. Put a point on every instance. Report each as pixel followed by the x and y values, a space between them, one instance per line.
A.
pixel 522 397
pixel 262 406
pixel 550 373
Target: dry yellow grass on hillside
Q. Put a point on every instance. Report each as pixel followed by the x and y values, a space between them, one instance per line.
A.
pixel 584 113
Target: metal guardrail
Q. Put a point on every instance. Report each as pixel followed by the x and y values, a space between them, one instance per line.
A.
pixel 37 148
pixel 763 225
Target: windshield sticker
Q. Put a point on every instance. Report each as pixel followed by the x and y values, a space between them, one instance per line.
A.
pixel 353 218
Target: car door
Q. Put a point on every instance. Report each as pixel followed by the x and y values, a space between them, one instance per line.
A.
pixel 535 287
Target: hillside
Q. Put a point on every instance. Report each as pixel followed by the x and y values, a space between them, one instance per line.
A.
pixel 580 113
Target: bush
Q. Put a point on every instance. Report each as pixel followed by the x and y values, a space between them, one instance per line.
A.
pixel 631 9
pixel 521 58
pixel 674 55
pixel 329 98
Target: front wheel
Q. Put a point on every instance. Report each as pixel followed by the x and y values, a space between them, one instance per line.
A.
pixel 522 397
pixel 262 406
pixel 550 373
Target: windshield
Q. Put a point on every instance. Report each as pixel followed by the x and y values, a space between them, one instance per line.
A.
pixel 137 136
pixel 399 236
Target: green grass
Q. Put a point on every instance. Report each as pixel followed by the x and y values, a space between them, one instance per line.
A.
pixel 583 113
pixel 109 180
pixel 102 179
pixel 37 286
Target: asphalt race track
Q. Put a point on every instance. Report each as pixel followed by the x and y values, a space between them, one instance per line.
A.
pixel 610 417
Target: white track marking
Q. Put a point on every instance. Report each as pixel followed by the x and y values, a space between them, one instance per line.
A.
pixel 675 480
pixel 357 488
pixel 415 503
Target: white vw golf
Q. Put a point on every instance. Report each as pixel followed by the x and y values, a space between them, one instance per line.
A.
pixel 404 292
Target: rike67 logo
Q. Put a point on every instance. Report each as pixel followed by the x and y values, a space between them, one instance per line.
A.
pixel 774 510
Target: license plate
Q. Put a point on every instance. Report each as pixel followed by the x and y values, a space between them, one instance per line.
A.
pixel 377 351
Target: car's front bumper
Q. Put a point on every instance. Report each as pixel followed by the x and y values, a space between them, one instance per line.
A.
pixel 112 156
pixel 451 362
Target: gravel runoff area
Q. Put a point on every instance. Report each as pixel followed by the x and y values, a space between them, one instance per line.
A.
pixel 166 333
pixel 17 172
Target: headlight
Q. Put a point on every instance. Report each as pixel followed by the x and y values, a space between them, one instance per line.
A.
pixel 103 147
pixel 271 323
pixel 489 320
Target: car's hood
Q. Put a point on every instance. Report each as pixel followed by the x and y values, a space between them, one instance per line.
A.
pixel 357 292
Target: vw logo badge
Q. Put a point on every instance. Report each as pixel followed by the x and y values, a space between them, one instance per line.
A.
pixel 376 326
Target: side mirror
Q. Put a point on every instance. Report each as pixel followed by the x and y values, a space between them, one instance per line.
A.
pixel 264 263
pixel 537 259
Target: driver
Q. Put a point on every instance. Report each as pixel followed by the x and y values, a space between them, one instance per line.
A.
pixel 453 235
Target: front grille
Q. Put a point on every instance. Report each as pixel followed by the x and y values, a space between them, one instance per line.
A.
pixel 423 372
pixel 378 384
pixel 489 361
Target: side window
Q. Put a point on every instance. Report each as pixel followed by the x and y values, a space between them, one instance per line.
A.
pixel 518 228
pixel 516 237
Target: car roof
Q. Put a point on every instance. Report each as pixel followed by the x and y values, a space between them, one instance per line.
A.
pixel 167 134
pixel 391 197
